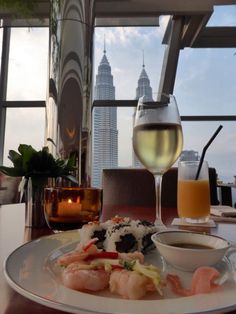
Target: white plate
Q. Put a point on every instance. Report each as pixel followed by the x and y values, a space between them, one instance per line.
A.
pixel 30 271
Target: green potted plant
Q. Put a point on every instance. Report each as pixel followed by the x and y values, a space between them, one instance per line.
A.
pixel 36 167
pixel 19 8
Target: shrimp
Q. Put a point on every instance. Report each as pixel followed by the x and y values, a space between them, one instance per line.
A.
pixel 74 276
pixel 72 257
pixel 202 281
pixel 79 254
pixel 130 284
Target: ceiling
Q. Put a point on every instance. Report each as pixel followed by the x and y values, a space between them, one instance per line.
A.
pixel 194 15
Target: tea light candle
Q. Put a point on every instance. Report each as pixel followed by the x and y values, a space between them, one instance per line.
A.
pixel 69 208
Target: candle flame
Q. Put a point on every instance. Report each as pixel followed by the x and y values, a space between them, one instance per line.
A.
pixel 69 201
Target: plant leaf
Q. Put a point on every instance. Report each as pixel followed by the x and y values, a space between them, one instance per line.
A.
pixel 39 165
pixel 15 158
pixel 12 172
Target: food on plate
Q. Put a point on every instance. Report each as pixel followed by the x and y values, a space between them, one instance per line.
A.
pixel 203 281
pixel 130 284
pixel 90 251
pixel 120 234
pixel 88 268
pixel 77 278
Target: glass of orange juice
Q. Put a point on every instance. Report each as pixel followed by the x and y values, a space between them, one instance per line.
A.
pixel 193 197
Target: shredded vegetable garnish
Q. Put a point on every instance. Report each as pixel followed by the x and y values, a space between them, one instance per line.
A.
pixel 127 264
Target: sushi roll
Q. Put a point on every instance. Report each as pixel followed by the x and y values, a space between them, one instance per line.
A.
pixel 96 229
pixel 121 238
pixel 120 234
pixel 93 230
pixel 143 232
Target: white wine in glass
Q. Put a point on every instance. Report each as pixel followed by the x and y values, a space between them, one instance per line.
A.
pixel 158 140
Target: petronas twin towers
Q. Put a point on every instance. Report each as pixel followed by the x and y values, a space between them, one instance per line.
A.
pixel 105 133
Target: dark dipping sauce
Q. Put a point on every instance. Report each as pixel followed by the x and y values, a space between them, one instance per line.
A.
pixel 194 246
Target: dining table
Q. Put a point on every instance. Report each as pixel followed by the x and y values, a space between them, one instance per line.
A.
pixel 14 234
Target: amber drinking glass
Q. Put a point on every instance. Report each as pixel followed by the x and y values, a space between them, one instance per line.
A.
pixel 71 208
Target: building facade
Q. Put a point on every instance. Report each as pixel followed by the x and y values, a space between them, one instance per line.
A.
pixel 189 155
pixel 105 133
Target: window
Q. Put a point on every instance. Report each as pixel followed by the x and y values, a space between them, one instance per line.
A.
pixel 27 81
pixel 23 126
pixel 28 64
pixel 205 81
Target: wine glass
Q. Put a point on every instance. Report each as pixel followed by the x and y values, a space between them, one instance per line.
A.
pixel 157 140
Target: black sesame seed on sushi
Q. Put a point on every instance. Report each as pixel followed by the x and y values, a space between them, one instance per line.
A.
pixel 121 238
pixel 126 244
pixel 93 230
pixel 101 236
pixel 144 230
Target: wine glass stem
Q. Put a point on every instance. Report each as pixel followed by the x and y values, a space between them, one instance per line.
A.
pixel 158 182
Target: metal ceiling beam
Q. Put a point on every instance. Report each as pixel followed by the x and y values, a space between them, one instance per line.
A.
pixel 216 37
pixel 115 103
pixel 171 56
pixel 126 21
pixel 132 7
pixel 209 118
pixel 23 103
pixel 133 103
pixel 32 22
pixel 151 7
pixel 193 28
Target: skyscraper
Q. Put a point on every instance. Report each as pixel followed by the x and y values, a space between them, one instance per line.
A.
pixel 143 90
pixel 105 133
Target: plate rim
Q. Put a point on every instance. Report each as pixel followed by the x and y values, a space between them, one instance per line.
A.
pixel 76 309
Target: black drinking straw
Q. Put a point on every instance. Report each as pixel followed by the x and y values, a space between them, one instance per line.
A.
pixel 205 149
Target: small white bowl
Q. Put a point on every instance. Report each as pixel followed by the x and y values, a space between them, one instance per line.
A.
pixel 189 259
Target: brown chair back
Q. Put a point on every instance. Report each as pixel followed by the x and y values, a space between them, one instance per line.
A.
pixel 128 186
pixel 136 187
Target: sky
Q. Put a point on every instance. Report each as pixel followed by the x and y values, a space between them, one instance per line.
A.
pixel 205 84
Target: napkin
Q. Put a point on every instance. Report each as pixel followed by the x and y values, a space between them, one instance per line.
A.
pixel 223 213
pixel 179 222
